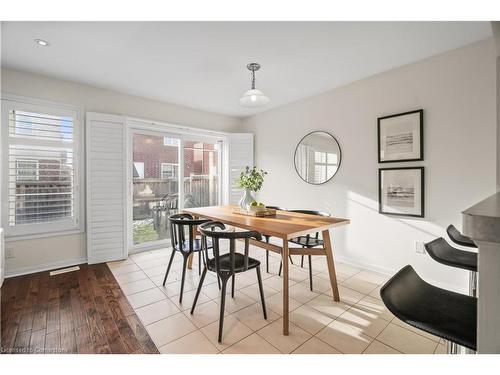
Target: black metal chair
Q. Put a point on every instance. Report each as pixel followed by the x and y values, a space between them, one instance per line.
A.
pixel 229 264
pixel 269 237
pixel 449 315
pixel 442 252
pixel 308 242
pixel 186 247
pixel 459 238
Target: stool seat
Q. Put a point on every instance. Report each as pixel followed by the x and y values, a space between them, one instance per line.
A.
pixel 442 252
pixel 459 238
pixel 449 315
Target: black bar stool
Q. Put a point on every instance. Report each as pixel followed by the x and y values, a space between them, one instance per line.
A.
pixel 227 265
pixel 459 238
pixel 178 223
pixel 449 315
pixel 442 252
pixel 269 237
pixel 308 242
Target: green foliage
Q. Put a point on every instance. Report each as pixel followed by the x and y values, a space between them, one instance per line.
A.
pixel 251 178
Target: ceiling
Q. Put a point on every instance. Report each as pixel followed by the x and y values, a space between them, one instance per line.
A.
pixel 203 64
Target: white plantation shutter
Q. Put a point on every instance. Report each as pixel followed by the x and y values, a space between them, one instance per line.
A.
pixel 240 156
pixel 41 169
pixel 106 188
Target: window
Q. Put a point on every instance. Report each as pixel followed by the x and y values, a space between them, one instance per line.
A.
pixel 325 165
pixel 169 170
pixel 26 170
pixel 138 169
pixel 41 168
pixel 167 141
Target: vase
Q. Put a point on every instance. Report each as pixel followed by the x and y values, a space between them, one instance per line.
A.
pixel 246 200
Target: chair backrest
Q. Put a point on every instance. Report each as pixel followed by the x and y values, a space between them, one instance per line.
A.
pixel 217 231
pixel 178 222
pixel 312 212
pixel 458 237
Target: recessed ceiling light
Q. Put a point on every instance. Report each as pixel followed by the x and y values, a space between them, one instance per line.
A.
pixel 42 42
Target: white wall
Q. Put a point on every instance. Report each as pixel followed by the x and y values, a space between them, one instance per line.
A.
pixel 456 91
pixel 58 251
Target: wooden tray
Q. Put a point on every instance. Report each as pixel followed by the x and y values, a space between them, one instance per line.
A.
pixel 263 213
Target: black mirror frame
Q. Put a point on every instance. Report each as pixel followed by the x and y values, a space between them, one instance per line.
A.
pixel 295 153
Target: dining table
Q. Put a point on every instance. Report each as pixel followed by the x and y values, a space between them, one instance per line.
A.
pixel 284 226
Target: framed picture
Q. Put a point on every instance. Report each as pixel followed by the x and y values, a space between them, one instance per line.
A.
pixel 401 137
pixel 401 191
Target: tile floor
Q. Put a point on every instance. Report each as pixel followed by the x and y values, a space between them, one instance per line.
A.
pixel 359 323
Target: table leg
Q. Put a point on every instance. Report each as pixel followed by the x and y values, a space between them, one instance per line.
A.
pixel 284 260
pixel 331 265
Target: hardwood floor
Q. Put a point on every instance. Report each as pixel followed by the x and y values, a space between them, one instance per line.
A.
pixel 76 312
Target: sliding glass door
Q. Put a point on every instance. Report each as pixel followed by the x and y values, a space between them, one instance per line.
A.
pixel 202 172
pixel 169 172
pixel 155 186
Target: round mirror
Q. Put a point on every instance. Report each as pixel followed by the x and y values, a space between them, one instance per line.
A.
pixel 317 157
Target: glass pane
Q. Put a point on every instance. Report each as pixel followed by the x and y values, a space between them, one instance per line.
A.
pixel 155 186
pixel 40 184
pixel 201 174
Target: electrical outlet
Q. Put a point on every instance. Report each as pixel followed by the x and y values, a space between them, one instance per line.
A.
pixel 419 247
pixel 9 253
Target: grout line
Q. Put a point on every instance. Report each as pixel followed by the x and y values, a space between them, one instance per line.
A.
pixel 280 316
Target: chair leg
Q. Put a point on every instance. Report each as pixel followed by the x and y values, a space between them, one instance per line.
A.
pixel 281 264
pixel 302 261
pixel 232 287
pixel 222 306
pixel 199 262
pixel 168 267
pixel 218 281
pixel 310 273
pixel 267 261
pixel 199 289
pixel 184 266
pixel 261 290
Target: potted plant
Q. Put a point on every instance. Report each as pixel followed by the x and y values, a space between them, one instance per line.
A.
pixel 251 179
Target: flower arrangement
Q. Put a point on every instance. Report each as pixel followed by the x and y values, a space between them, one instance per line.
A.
pixel 251 179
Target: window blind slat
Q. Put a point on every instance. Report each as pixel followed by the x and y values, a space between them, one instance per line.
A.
pixel 41 175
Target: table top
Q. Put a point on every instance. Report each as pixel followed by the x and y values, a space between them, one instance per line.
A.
pixel 284 225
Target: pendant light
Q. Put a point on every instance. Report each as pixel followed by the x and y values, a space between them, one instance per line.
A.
pixel 253 97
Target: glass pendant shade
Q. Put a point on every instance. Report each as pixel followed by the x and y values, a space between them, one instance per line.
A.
pixel 253 98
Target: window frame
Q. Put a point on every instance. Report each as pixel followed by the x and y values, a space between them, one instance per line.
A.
pixel 58 227
pixel 173 169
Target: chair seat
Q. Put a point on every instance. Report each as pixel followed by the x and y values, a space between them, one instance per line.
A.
pixel 196 245
pixel 459 238
pixel 442 252
pixel 239 263
pixel 449 315
pixel 307 242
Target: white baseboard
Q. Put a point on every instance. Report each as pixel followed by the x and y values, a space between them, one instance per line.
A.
pixel 391 272
pixel 44 267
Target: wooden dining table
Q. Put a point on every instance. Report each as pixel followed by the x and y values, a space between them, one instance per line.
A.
pixel 284 225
